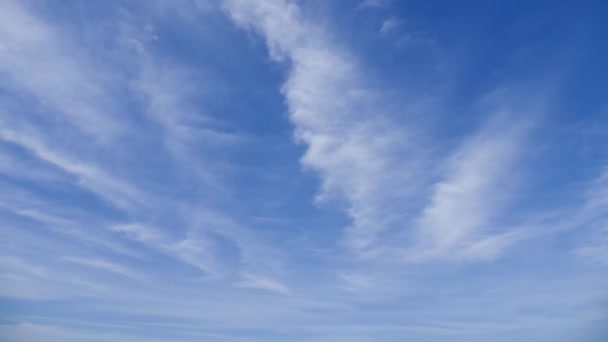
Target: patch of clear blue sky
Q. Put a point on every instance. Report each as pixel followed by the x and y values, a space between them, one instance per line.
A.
pixel 303 170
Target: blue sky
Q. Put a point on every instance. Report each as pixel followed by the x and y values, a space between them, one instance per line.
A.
pixel 276 170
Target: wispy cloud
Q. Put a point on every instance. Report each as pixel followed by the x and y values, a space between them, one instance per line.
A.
pixel 168 94
pixel 261 283
pixel 596 250
pixel 39 62
pixel 194 249
pixel 365 157
pixel 127 177
pixel 389 26
pixel 594 215
pixel 369 4
pixel 20 265
pixel 81 95
pixel 103 265
pixel 117 191
pixel 479 179
pixel 361 155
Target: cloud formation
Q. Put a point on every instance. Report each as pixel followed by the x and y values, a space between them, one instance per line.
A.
pixel 274 170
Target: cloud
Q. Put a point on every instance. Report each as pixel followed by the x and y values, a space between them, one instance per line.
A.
pixel 39 62
pixel 597 250
pixel 117 191
pixel 369 4
pixel 478 180
pixel 140 233
pixel 88 146
pixel 103 265
pixel 194 249
pixel 373 163
pixel 169 94
pixel 361 155
pixel 261 283
pixel 121 170
pixel 596 197
pixel 389 26
pixel 19 265
pixel 593 215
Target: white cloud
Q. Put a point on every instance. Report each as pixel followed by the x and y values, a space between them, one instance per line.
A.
pixel 194 249
pixel 140 233
pixel 38 61
pixel 478 180
pixel 594 216
pixel 103 264
pixel 389 26
pixel 168 94
pixel 88 146
pixel 596 251
pixel 368 4
pixel 19 265
pixel 117 191
pixel 66 224
pixel 596 197
pixel 361 155
pixel 262 283
pixel 374 163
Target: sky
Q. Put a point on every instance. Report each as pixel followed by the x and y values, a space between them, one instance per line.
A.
pixel 282 170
